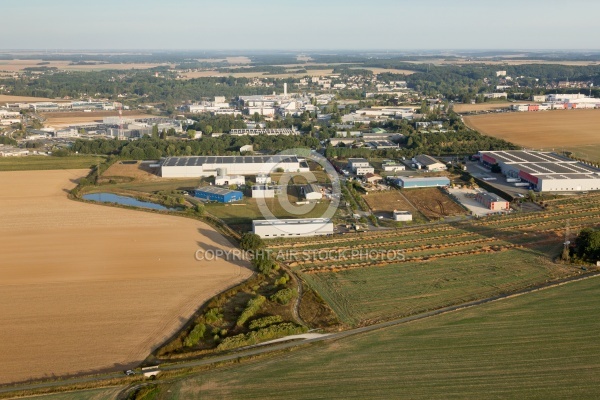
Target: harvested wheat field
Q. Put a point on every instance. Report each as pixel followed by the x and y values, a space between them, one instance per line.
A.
pixel 18 99
pixel 86 287
pixel 461 108
pixel 557 130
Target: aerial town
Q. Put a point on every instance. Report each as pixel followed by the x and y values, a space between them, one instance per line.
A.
pixel 241 223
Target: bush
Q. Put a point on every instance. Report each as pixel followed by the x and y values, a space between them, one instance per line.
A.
pixel 195 335
pixel 251 308
pixel 213 315
pixel 265 321
pixel 251 242
pixel 283 296
pixel 254 337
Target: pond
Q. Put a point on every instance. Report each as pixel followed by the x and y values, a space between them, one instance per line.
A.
pixel 124 200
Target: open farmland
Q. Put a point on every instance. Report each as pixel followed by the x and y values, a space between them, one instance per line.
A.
pixel 441 264
pixel 20 65
pixel 87 287
pixel 48 162
pixel 462 108
pixel 540 345
pixel 18 99
pixel 570 130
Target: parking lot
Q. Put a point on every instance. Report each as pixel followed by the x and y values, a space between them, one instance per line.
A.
pixel 467 198
pixel 479 171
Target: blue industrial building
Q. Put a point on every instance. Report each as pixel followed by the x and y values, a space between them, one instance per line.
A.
pixel 410 183
pixel 212 193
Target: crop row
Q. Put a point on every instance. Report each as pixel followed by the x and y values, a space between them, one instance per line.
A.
pixel 383 263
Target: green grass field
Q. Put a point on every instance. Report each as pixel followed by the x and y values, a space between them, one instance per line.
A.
pixel 92 394
pixel 31 163
pixel 364 295
pixel 540 345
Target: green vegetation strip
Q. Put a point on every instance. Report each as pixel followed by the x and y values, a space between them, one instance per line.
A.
pixel 31 163
pixel 536 346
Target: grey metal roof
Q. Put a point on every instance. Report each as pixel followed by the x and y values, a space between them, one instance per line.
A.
pixel 201 160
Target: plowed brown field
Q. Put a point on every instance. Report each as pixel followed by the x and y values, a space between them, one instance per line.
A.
pixel 86 287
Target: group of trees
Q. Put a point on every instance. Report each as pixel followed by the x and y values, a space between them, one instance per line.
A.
pixel 587 245
pixel 149 148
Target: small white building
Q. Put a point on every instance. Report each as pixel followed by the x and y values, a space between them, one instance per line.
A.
pixel 353 163
pixel 282 228
pixel 361 171
pixel 247 148
pixel 311 192
pixel 263 192
pixel 227 180
pixel 263 179
pixel 402 216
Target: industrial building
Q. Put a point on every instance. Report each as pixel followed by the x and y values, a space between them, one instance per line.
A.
pixel 226 180
pixel 202 166
pixel 213 193
pixel 263 192
pixel 492 201
pixel 268 132
pixel 411 183
pixel 273 228
pixel 311 192
pixel 545 172
pixel 429 163
pixel 360 166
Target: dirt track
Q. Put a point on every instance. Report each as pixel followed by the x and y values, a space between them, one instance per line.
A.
pixel 86 287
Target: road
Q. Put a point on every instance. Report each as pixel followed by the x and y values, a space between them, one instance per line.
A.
pixel 256 351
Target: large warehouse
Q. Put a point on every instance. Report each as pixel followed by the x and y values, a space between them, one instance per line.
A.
pixel 546 172
pixel 273 228
pixel 410 183
pixel 196 167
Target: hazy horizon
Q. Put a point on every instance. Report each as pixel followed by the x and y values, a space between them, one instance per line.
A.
pixel 335 25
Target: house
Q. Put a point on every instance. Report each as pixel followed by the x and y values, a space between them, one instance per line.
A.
pixel 371 178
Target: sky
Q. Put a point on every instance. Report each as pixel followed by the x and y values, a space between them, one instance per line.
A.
pixel 299 24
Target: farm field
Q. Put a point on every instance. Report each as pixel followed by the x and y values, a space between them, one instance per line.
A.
pixel 47 162
pixel 571 130
pixel 20 65
pixel 462 108
pixel 441 264
pixel 537 346
pixel 96 287
pixel 60 119
pixel 17 99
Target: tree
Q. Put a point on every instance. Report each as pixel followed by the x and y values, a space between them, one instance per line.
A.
pixel 263 263
pixel 251 242
pixel 588 245
pixel 155 132
pixel 208 129
pixel 531 195
pixel 191 133
pixel 199 208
